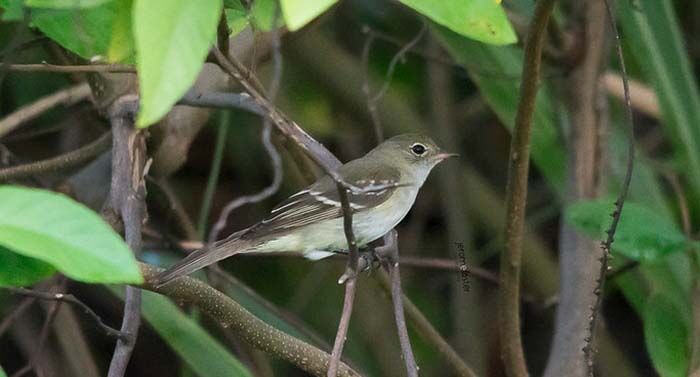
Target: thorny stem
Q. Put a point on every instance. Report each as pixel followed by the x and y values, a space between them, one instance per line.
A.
pixel 619 203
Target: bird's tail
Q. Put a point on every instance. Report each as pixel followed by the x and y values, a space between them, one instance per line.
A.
pixel 201 258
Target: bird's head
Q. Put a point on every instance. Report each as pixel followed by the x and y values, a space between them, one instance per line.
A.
pixel 414 153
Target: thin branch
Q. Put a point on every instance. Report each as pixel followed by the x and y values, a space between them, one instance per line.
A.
pixel 16 313
pixel 43 335
pixel 56 68
pixel 390 250
pixel 644 99
pixel 58 163
pixel 373 100
pixel 220 100
pixel 67 96
pixel 516 195
pixel 127 196
pixel 214 172
pixel 69 298
pixel 350 276
pixel 619 203
pixel 231 315
pixel 426 330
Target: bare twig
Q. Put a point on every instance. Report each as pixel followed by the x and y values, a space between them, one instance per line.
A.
pixel 16 313
pixel 45 67
pixel 26 113
pixel 220 100
pixel 426 330
pixel 127 195
pixel 644 98
pixel 516 195
pixel 373 100
pixel 64 161
pixel 231 315
pixel 43 335
pixel 390 250
pixel 619 203
pixel 69 298
pixel 214 172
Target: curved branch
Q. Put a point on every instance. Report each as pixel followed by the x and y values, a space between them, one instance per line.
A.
pixel 516 195
pixel 64 161
pixel 26 113
pixel 229 314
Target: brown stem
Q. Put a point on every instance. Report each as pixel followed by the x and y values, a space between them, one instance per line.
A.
pixel 426 330
pixel 127 197
pixel 64 161
pixel 26 113
pixel 516 195
pixel 45 67
pixel 231 315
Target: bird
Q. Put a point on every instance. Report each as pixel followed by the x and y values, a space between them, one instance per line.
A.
pixel 311 221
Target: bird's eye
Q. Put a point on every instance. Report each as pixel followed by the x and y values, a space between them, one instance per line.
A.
pixel 418 149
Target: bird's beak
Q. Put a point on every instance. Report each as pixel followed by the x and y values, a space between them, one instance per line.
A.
pixel 443 155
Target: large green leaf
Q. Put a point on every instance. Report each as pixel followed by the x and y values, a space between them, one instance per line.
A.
pixel 2 373
pixel 172 39
pixel 496 71
pixel 204 354
pixel 236 19
pixel 86 32
pixel 641 233
pixel 59 4
pixel 263 13
pixel 655 40
pixel 298 13
pixel 121 44
pixel 65 234
pixel 482 20
pixel 18 270
pixel 666 336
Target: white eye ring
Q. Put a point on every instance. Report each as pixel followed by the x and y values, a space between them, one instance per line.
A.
pixel 418 149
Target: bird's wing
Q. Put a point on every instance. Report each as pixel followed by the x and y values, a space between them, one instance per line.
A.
pixel 321 201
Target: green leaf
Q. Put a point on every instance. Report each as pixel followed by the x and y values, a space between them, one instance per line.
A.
pixel 298 13
pixel 496 71
pixel 65 234
pixel 263 14
pixel 237 20
pixel 641 233
pixel 656 42
pixel 121 45
pixel 86 32
pixel 482 20
pixel 204 354
pixel 12 10
pixel 18 270
pixel 666 336
pixel 2 373
pixel 62 4
pixel 172 39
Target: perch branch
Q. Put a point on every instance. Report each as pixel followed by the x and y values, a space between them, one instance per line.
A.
pixel 229 314
pixel 516 195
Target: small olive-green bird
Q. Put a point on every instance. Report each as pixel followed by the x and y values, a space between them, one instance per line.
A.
pixel 311 221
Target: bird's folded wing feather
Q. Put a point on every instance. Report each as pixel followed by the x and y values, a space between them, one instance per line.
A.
pixel 321 201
